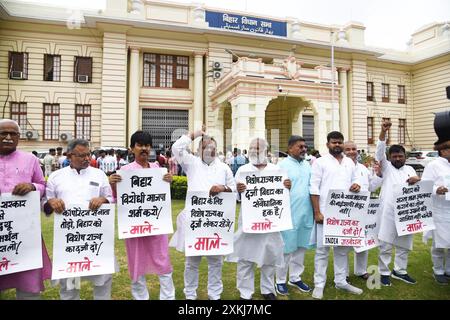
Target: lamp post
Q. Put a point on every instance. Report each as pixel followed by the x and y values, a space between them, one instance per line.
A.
pixel 332 81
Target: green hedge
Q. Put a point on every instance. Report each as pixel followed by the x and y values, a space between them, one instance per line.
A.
pixel 178 187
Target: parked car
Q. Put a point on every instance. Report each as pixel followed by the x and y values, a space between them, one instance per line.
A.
pixel 419 159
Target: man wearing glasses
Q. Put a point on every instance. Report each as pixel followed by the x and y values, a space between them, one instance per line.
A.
pixel 21 173
pixel 79 183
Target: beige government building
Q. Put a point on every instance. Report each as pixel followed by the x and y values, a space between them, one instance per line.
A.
pixel 166 68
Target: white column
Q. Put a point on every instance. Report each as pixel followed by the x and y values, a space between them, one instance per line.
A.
pixel 343 110
pixel 198 90
pixel 133 91
pixel 322 126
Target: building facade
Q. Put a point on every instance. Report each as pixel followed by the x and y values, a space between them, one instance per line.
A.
pixel 167 68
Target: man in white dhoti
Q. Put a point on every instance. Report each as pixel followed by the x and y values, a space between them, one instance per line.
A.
pixel 439 172
pixel 332 171
pixel 263 249
pixel 394 172
pixel 369 181
pixel 204 173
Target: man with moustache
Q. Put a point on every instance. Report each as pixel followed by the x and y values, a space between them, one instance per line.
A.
pixel 296 241
pixel 369 181
pixel 394 172
pixel 146 255
pixel 79 183
pixel 260 249
pixel 20 173
pixel 332 171
pixel 204 173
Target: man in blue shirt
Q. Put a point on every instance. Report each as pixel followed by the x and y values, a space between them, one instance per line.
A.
pixel 296 240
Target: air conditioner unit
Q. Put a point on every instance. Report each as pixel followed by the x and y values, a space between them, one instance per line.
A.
pixel 65 136
pixel 217 74
pixel 31 134
pixel 83 78
pixel 16 75
pixel 217 65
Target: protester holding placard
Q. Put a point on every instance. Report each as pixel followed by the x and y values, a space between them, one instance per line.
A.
pixel 79 183
pixel 369 181
pixel 261 249
pixel 204 173
pixel 331 171
pixel 438 171
pixel 395 172
pixel 296 241
pixel 150 254
pixel 21 174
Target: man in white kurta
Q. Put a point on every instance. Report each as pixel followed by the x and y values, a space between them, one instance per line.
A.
pixel 332 171
pixel 369 181
pixel 394 172
pixel 79 183
pixel 439 172
pixel 204 173
pixel 263 249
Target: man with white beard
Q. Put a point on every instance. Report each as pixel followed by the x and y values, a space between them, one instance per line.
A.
pixel 263 249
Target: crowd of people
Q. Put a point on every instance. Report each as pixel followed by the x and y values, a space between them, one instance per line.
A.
pixel 280 256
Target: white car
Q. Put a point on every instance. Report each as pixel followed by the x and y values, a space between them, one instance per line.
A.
pixel 419 159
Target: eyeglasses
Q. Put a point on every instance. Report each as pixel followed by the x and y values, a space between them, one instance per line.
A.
pixel 13 134
pixel 83 155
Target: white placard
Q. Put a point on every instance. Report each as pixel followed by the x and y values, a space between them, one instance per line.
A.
pixel 344 218
pixel 413 207
pixel 210 223
pixel 265 203
pixel 20 233
pixel 372 222
pixel 83 243
pixel 143 203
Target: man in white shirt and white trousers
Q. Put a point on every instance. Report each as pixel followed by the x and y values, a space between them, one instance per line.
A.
pixel 265 250
pixel 369 181
pixel 439 171
pixel 332 171
pixel 204 173
pixel 74 184
pixel 394 172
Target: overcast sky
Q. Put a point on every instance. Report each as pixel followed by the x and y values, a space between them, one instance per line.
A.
pixel 389 23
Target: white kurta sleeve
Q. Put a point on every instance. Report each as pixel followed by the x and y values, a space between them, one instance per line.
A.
pixel 181 153
pixel 374 182
pixel 380 154
pixel 429 173
pixel 316 178
pixel 230 182
pixel 105 189
pixel 50 189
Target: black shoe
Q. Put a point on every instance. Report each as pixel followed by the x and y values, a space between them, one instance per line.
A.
pixel 385 280
pixel 404 277
pixel 364 276
pixel 348 280
pixel 269 296
pixel 441 279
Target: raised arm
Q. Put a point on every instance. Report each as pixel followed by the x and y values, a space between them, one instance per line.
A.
pixel 180 148
pixel 380 154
